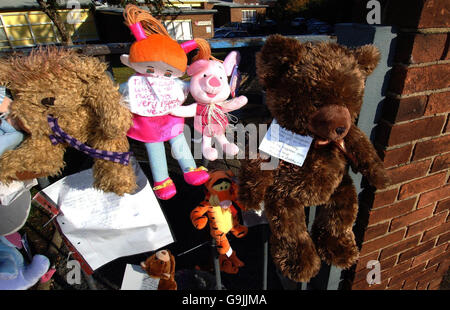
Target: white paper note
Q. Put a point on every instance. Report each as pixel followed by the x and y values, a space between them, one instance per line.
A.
pixel 286 145
pixel 135 278
pixel 104 226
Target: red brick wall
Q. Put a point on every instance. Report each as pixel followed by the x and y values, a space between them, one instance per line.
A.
pixel 408 228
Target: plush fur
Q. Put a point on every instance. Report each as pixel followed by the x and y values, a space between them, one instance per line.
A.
pixel 87 105
pixel 313 89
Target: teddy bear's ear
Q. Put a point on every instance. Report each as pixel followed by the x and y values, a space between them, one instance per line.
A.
pixel 275 58
pixel 368 57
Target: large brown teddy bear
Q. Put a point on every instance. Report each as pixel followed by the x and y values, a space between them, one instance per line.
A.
pixel 313 89
pixel 63 99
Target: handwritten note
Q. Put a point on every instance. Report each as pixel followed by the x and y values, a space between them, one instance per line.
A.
pixel 152 96
pixel 135 278
pixel 286 145
pixel 104 226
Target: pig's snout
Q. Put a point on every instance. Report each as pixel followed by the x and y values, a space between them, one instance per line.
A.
pixel 213 81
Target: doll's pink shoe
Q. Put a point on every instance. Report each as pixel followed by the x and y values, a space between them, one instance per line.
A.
pixel 196 176
pixel 165 190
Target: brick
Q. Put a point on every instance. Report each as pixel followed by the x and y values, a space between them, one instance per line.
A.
pixel 384 198
pixel 371 246
pixel 391 211
pixel 363 285
pixel 424 257
pixel 376 231
pixel 443 238
pixel 434 195
pixel 381 286
pixel 441 163
pixel 410 285
pixel 361 264
pixel 423 285
pixel 422 185
pixel 408 172
pixel 398 278
pixel 418 129
pixel 432 147
pixel 438 259
pixel 438 103
pixel 388 263
pixel 396 270
pixel 420 48
pixel 435 284
pixel 397 156
pixel 399 247
pixel 412 282
pixel 435 14
pixel 443 267
pixel 396 286
pixel 433 233
pixel 404 109
pixel 426 224
pixel 416 251
pixel 409 80
pixel 442 206
pixel 411 217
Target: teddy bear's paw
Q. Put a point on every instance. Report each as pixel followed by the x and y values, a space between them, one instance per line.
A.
pixel 340 251
pixel 299 261
pixel 380 180
pixel 114 177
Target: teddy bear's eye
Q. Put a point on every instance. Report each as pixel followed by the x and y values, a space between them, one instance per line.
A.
pixel 49 101
pixel 204 75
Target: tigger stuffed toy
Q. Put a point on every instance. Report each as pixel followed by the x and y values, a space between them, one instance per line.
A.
pixel 219 207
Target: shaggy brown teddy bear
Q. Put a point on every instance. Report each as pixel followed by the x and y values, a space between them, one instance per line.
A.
pixel 64 99
pixel 313 89
pixel 161 265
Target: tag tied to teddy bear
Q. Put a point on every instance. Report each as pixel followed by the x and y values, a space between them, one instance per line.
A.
pixel 286 145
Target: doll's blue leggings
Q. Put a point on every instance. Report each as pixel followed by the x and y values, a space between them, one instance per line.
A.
pixel 157 157
pixel 9 136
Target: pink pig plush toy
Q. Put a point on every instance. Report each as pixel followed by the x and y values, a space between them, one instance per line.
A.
pixel 210 89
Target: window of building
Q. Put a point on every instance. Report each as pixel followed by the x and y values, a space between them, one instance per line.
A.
pixel 249 16
pixel 179 29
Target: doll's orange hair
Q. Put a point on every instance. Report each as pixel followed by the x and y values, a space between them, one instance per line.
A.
pixel 159 46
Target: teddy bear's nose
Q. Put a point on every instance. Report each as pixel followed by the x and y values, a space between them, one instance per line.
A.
pixel 340 130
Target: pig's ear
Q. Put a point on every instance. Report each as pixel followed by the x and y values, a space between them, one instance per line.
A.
pixel 232 59
pixel 197 66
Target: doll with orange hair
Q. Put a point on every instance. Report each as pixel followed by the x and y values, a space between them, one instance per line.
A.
pixel 154 94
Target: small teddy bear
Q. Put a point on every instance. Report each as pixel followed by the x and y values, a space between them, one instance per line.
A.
pixel 161 265
pixel 316 90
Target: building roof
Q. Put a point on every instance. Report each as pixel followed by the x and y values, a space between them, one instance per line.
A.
pixel 238 5
pixel 20 5
pixel 165 11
